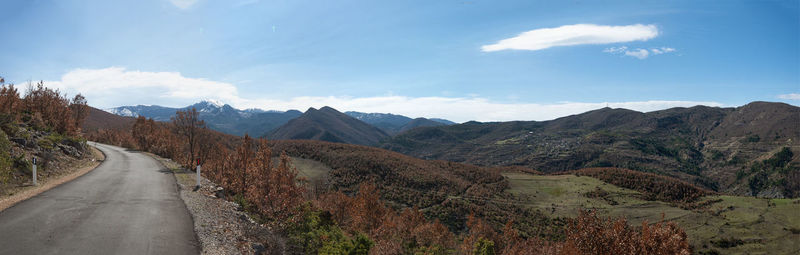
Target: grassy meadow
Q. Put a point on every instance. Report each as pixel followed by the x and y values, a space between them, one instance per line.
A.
pixel 726 224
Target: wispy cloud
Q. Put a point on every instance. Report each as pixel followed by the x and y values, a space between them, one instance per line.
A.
pixel 790 96
pixel 115 86
pixel 638 52
pixel 578 34
pixel 183 4
pixel 662 50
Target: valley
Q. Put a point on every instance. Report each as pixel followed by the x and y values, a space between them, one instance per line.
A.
pixel 327 155
pixel 727 224
pixel 713 222
pixel 417 127
pixel 718 148
pixel 692 166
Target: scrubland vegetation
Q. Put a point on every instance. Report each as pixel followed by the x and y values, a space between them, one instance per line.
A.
pixel 42 123
pixel 749 150
pixel 762 225
pixel 372 201
pixel 380 202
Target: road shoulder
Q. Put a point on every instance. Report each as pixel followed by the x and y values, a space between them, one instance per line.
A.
pixel 221 227
pixel 79 168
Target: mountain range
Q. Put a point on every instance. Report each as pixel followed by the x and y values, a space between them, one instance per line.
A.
pixel 752 149
pixel 256 122
pixel 747 150
pixel 393 124
pixel 218 116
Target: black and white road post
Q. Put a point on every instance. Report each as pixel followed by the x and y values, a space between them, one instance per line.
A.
pixel 34 171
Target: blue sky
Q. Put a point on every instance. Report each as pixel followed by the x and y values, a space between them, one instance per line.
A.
pixel 418 58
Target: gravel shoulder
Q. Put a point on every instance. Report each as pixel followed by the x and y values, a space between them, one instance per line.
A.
pixel 70 172
pixel 220 225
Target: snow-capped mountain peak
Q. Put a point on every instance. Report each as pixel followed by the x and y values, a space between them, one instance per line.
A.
pixel 208 105
pixel 122 111
pixel 213 102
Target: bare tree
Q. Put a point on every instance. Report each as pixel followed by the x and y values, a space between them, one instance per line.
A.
pixel 188 125
pixel 80 110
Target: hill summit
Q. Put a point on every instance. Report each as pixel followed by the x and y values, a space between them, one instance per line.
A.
pixel 328 124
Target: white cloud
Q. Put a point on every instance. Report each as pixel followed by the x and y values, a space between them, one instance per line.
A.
pixel 638 52
pixel 790 96
pixel 183 4
pixel 662 50
pixel 578 34
pixel 616 50
pixel 115 86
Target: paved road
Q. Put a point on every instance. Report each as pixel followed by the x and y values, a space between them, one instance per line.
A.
pixel 128 205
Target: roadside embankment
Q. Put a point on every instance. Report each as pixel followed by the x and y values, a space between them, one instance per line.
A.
pixel 73 170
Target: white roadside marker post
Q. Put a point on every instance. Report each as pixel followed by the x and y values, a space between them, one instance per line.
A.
pixel 198 173
pixel 34 171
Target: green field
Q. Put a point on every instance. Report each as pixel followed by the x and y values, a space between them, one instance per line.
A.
pixel 762 225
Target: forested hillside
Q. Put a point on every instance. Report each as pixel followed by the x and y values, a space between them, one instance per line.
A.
pixel 748 150
pixel 99 119
pixel 328 124
pixel 394 124
pixel 372 199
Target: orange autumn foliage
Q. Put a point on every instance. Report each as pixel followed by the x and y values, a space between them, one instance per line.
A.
pixel 248 167
pixel 274 189
pixel 393 233
pixel 44 108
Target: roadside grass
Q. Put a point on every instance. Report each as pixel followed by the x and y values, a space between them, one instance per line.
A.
pixel 762 225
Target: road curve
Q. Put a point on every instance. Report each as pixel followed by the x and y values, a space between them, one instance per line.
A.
pixel 128 205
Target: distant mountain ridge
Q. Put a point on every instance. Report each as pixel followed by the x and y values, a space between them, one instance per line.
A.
pixel 393 124
pixel 328 124
pixel 257 122
pixel 218 116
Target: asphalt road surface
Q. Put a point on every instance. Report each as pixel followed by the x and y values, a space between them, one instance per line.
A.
pixel 128 205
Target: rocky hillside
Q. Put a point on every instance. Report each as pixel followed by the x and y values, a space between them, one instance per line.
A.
pixel 19 144
pixel 42 124
pixel 734 150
